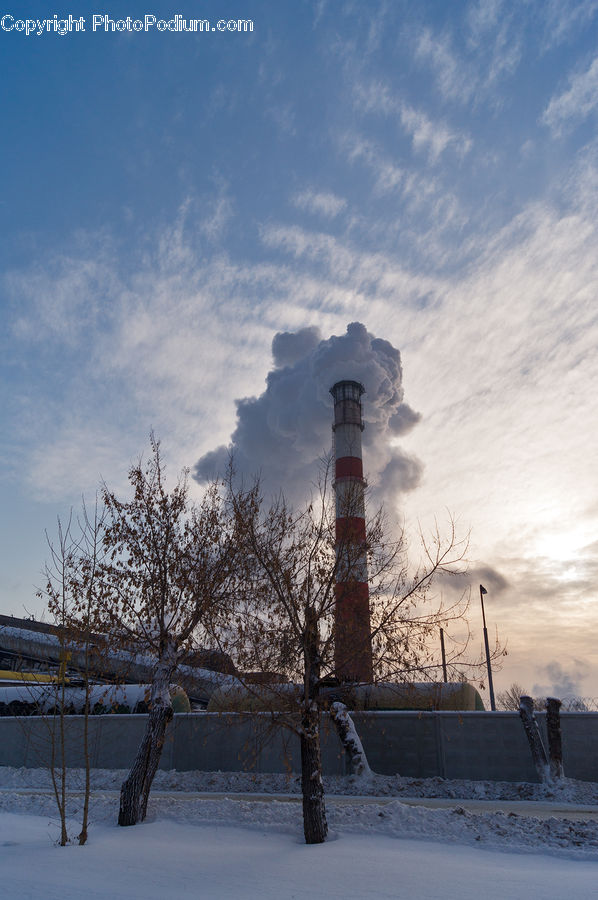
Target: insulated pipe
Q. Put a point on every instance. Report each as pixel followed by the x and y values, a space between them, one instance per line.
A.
pixel 105 662
pixel 353 642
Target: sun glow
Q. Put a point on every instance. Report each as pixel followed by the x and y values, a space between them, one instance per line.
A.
pixel 562 546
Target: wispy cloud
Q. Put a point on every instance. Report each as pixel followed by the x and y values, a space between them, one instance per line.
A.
pixel 365 277
pixel 59 292
pixel 219 215
pixel 496 36
pixel 493 51
pixel 322 202
pixel 483 17
pixel 430 209
pixel 179 332
pixel 176 337
pixel 563 18
pixel 388 176
pixel 455 79
pixel 430 135
pixel 576 103
pixel 427 136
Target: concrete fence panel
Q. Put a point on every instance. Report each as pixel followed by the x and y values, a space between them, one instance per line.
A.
pixel 473 745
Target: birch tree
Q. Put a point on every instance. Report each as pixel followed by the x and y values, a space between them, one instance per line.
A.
pixel 165 583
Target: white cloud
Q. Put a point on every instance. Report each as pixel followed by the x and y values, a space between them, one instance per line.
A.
pixel 388 176
pixel 365 278
pixel 496 37
pixel 323 202
pixel 181 335
pixel 180 338
pixel 576 103
pixel 493 51
pixel 455 81
pixel 220 214
pixel 425 199
pixel 482 17
pixel 562 18
pixel 428 136
pixel 59 291
pixel 506 55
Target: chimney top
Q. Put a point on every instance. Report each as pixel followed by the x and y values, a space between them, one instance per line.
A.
pixel 347 390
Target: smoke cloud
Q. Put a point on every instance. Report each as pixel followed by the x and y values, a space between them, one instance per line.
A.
pixel 562 683
pixel 283 434
pixel 494 582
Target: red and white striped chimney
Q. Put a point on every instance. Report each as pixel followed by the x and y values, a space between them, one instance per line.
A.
pixel 353 642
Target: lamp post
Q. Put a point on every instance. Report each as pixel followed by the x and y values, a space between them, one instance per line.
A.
pixel 490 685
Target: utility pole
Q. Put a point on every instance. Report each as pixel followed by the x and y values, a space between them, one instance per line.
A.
pixel 490 685
pixel 444 675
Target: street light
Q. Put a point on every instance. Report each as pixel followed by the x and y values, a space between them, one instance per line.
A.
pixel 490 685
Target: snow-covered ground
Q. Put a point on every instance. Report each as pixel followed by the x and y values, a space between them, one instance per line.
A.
pixel 227 846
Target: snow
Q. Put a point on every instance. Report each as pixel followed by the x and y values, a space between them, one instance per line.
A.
pixel 227 844
pixel 175 859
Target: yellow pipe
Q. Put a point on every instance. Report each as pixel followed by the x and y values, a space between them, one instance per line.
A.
pixel 7 675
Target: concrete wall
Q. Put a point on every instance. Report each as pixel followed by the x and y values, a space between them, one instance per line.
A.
pixel 475 745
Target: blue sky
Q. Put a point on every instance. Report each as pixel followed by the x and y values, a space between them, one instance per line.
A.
pixel 171 201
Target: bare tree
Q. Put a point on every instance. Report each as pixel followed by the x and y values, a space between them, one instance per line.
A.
pixel 510 698
pixel 165 577
pixel 82 620
pixel 293 574
pixel 71 593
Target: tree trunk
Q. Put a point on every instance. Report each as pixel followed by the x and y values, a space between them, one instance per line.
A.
pixel 315 826
pixel 345 728
pixel 87 688
pixel 135 790
pixel 532 732
pixel 134 793
pixel 84 823
pixel 555 746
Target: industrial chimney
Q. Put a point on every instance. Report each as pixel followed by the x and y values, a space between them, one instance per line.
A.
pixel 353 642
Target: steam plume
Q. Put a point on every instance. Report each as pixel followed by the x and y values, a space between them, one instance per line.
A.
pixel 283 433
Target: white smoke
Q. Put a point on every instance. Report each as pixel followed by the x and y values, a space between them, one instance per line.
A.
pixel 283 434
pixel 562 683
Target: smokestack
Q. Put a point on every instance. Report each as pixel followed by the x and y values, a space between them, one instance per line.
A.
pixel 353 642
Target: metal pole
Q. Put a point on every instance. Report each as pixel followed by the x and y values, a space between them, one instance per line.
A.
pixel 489 667
pixel 444 677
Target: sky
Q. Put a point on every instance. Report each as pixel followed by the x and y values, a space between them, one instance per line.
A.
pixel 189 219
